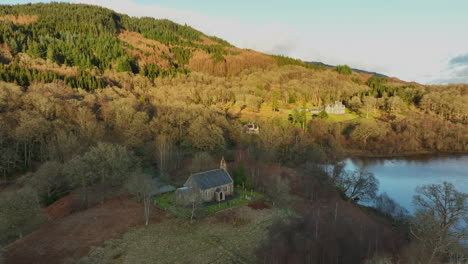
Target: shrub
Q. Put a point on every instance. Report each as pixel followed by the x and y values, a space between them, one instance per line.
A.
pixel 343 69
pixel 125 64
pixel 20 213
pixel 323 115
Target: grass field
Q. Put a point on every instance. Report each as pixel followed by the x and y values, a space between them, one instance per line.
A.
pixel 211 240
pixel 244 198
pixel 165 202
pixel 283 114
pixel 342 118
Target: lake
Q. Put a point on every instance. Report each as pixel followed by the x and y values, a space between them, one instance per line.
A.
pixel 399 177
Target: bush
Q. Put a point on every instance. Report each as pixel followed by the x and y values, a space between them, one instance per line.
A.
pixel 50 182
pixel 20 213
pixel 239 175
pixel 343 69
pixel 323 115
pixel 125 64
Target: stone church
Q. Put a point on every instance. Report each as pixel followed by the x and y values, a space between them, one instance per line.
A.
pixel 209 186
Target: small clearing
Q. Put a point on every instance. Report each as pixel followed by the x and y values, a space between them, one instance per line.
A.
pixel 72 237
pixel 20 20
pixel 231 236
pixel 146 50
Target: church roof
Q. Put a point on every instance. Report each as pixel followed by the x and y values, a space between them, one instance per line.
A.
pixel 213 178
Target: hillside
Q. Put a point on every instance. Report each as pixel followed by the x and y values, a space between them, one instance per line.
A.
pixel 77 39
pixel 93 101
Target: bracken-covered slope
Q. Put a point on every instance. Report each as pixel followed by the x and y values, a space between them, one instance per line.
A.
pixel 80 39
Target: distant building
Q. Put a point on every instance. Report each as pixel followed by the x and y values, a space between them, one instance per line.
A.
pixel 336 108
pixel 209 186
pixel 251 128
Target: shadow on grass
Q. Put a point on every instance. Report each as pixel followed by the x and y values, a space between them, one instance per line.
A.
pixel 239 198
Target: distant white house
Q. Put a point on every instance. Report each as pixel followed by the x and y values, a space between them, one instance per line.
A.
pixel 251 128
pixel 336 108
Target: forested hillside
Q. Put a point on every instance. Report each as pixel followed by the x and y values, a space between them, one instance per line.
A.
pixel 82 86
pixel 80 38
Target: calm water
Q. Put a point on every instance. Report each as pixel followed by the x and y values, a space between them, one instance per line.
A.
pixel 399 177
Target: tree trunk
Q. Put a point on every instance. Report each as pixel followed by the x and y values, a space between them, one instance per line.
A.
pixel 146 204
pixel 336 211
pixel 193 211
pixel 434 251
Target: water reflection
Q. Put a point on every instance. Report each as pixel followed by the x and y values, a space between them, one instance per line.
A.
pixel 399 177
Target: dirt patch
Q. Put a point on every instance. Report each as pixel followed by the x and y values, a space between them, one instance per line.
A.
pixel 259 205
pixel 62 207
pixel 73 236
pixel 20 20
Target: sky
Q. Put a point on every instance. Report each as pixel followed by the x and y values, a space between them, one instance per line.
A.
pixel 415 40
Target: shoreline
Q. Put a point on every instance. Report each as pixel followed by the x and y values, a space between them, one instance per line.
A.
pixel 407 155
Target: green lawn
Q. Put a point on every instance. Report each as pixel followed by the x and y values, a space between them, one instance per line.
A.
pixel 283 115
pixel 341 118
pixel 245 198
pixel 165 202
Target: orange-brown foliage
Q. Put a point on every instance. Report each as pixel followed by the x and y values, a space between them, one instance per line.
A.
pixel 44 65
pixel 73 236
pixel 150 51
pixel 207 41
pixel 146 50
pixel 232 64
pixel 21 19
pixel 5 54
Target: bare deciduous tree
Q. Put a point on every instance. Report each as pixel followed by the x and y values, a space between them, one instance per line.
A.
pixel 370 103
pixel 167 154
pixel 202 162
pixel 441 215
pixel 2 260
pixel 388 206
pixel 191 198
pixel 63 145
pixel 278 191
pixel 358 185
pixel 144 187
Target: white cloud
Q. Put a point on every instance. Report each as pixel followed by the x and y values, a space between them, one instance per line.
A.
pixel 457 74
pixel 421 56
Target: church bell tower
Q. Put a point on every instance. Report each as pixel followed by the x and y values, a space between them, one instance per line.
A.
pixel 222 165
